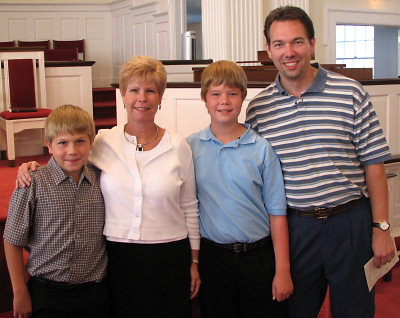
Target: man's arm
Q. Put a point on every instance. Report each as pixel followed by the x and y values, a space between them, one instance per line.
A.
pixel 382 242
pixel 282 286
pixel 15 263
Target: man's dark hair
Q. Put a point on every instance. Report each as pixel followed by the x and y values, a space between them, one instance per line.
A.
pixel 288 13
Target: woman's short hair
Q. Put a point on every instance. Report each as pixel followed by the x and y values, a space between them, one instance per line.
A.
pixel 223 72
pixel 143 67
pixel 71 119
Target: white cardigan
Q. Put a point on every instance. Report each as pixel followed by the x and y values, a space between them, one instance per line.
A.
pixel 157 205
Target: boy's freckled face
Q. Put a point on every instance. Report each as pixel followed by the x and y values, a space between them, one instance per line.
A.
pixel 223 103
pixel 71 151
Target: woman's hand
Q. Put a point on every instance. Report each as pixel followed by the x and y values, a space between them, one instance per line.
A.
pixel 24 176
pixel 195 285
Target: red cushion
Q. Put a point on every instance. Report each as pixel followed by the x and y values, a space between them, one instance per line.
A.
pixel 61 55
pixel 45 44
pixel 69 44
pixel 41 112
pixel 22 83
pixel 7 44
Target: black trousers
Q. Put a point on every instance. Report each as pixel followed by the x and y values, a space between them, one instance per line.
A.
pixel 87 302
pixel 238 284
pixel 150 280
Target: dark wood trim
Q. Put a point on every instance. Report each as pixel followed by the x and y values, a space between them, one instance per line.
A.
pixel 68 63
pixel 186 62
pixel 395 159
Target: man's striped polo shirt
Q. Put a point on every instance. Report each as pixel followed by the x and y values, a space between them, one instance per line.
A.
pixel 323 139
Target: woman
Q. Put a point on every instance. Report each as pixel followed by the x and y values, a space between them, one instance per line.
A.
pixel 151 221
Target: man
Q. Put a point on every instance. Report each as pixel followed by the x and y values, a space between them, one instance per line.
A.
pixel 327 136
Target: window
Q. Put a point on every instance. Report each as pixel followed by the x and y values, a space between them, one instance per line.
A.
pixel 355 45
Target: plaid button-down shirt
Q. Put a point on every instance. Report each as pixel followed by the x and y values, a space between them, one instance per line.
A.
pixel 60 223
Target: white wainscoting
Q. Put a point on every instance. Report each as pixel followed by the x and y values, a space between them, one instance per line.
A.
pixel 386 101
pixel 393 173
pixel 92 22
pixel 69 85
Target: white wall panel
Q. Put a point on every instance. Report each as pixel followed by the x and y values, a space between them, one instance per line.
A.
pixel 145 27
pixel 386 101
pixel 17 29
pixel 44 29
pixel 95 28
pixel 70 29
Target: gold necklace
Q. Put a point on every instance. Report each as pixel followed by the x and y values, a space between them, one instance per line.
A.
pixel 139 147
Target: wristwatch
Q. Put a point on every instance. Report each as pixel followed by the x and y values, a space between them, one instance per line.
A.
pixel 383 225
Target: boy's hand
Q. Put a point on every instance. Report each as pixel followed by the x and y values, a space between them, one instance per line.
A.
pixel 24 177
pixel 22 305
pixel 282 286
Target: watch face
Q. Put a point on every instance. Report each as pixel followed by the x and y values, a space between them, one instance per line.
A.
pixel 384 225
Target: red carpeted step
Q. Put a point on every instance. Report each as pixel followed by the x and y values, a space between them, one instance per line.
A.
pixel 102 123
pixel 104 107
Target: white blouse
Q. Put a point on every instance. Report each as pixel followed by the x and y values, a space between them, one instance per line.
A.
pixel 158 204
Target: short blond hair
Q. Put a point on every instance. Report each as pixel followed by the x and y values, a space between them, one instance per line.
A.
pixel 223 72
pixel 143 67
pixel 71 119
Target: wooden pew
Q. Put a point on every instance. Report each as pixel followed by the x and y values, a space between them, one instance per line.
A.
pixel 267 73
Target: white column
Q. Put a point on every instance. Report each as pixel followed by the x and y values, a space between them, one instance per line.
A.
pixel 304 4
pixel 232 29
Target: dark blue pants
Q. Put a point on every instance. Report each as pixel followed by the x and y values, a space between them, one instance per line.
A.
pixel 238 284
pixel 332 252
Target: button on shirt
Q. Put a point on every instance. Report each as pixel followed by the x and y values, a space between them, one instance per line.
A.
pixel 60 223
pixel 238 185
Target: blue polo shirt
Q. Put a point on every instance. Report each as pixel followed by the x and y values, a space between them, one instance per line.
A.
pixel 238 185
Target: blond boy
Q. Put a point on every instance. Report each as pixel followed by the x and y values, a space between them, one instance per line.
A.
pixel 59 220
pixel 242 207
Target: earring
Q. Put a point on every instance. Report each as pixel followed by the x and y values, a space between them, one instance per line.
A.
pixel 124 105
pixel 159 107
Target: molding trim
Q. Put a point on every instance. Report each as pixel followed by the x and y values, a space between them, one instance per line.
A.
pixel 56 7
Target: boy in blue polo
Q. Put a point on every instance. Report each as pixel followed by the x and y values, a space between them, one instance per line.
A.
pixel 59 220
pixel 242 207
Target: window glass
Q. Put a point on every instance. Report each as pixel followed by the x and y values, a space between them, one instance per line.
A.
pixel 349 51
pixel 340 49
pixel 369 32
pixel 355 45
pixel 360 34
pixel 349 32
pixel 340 33
pixel 369 48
